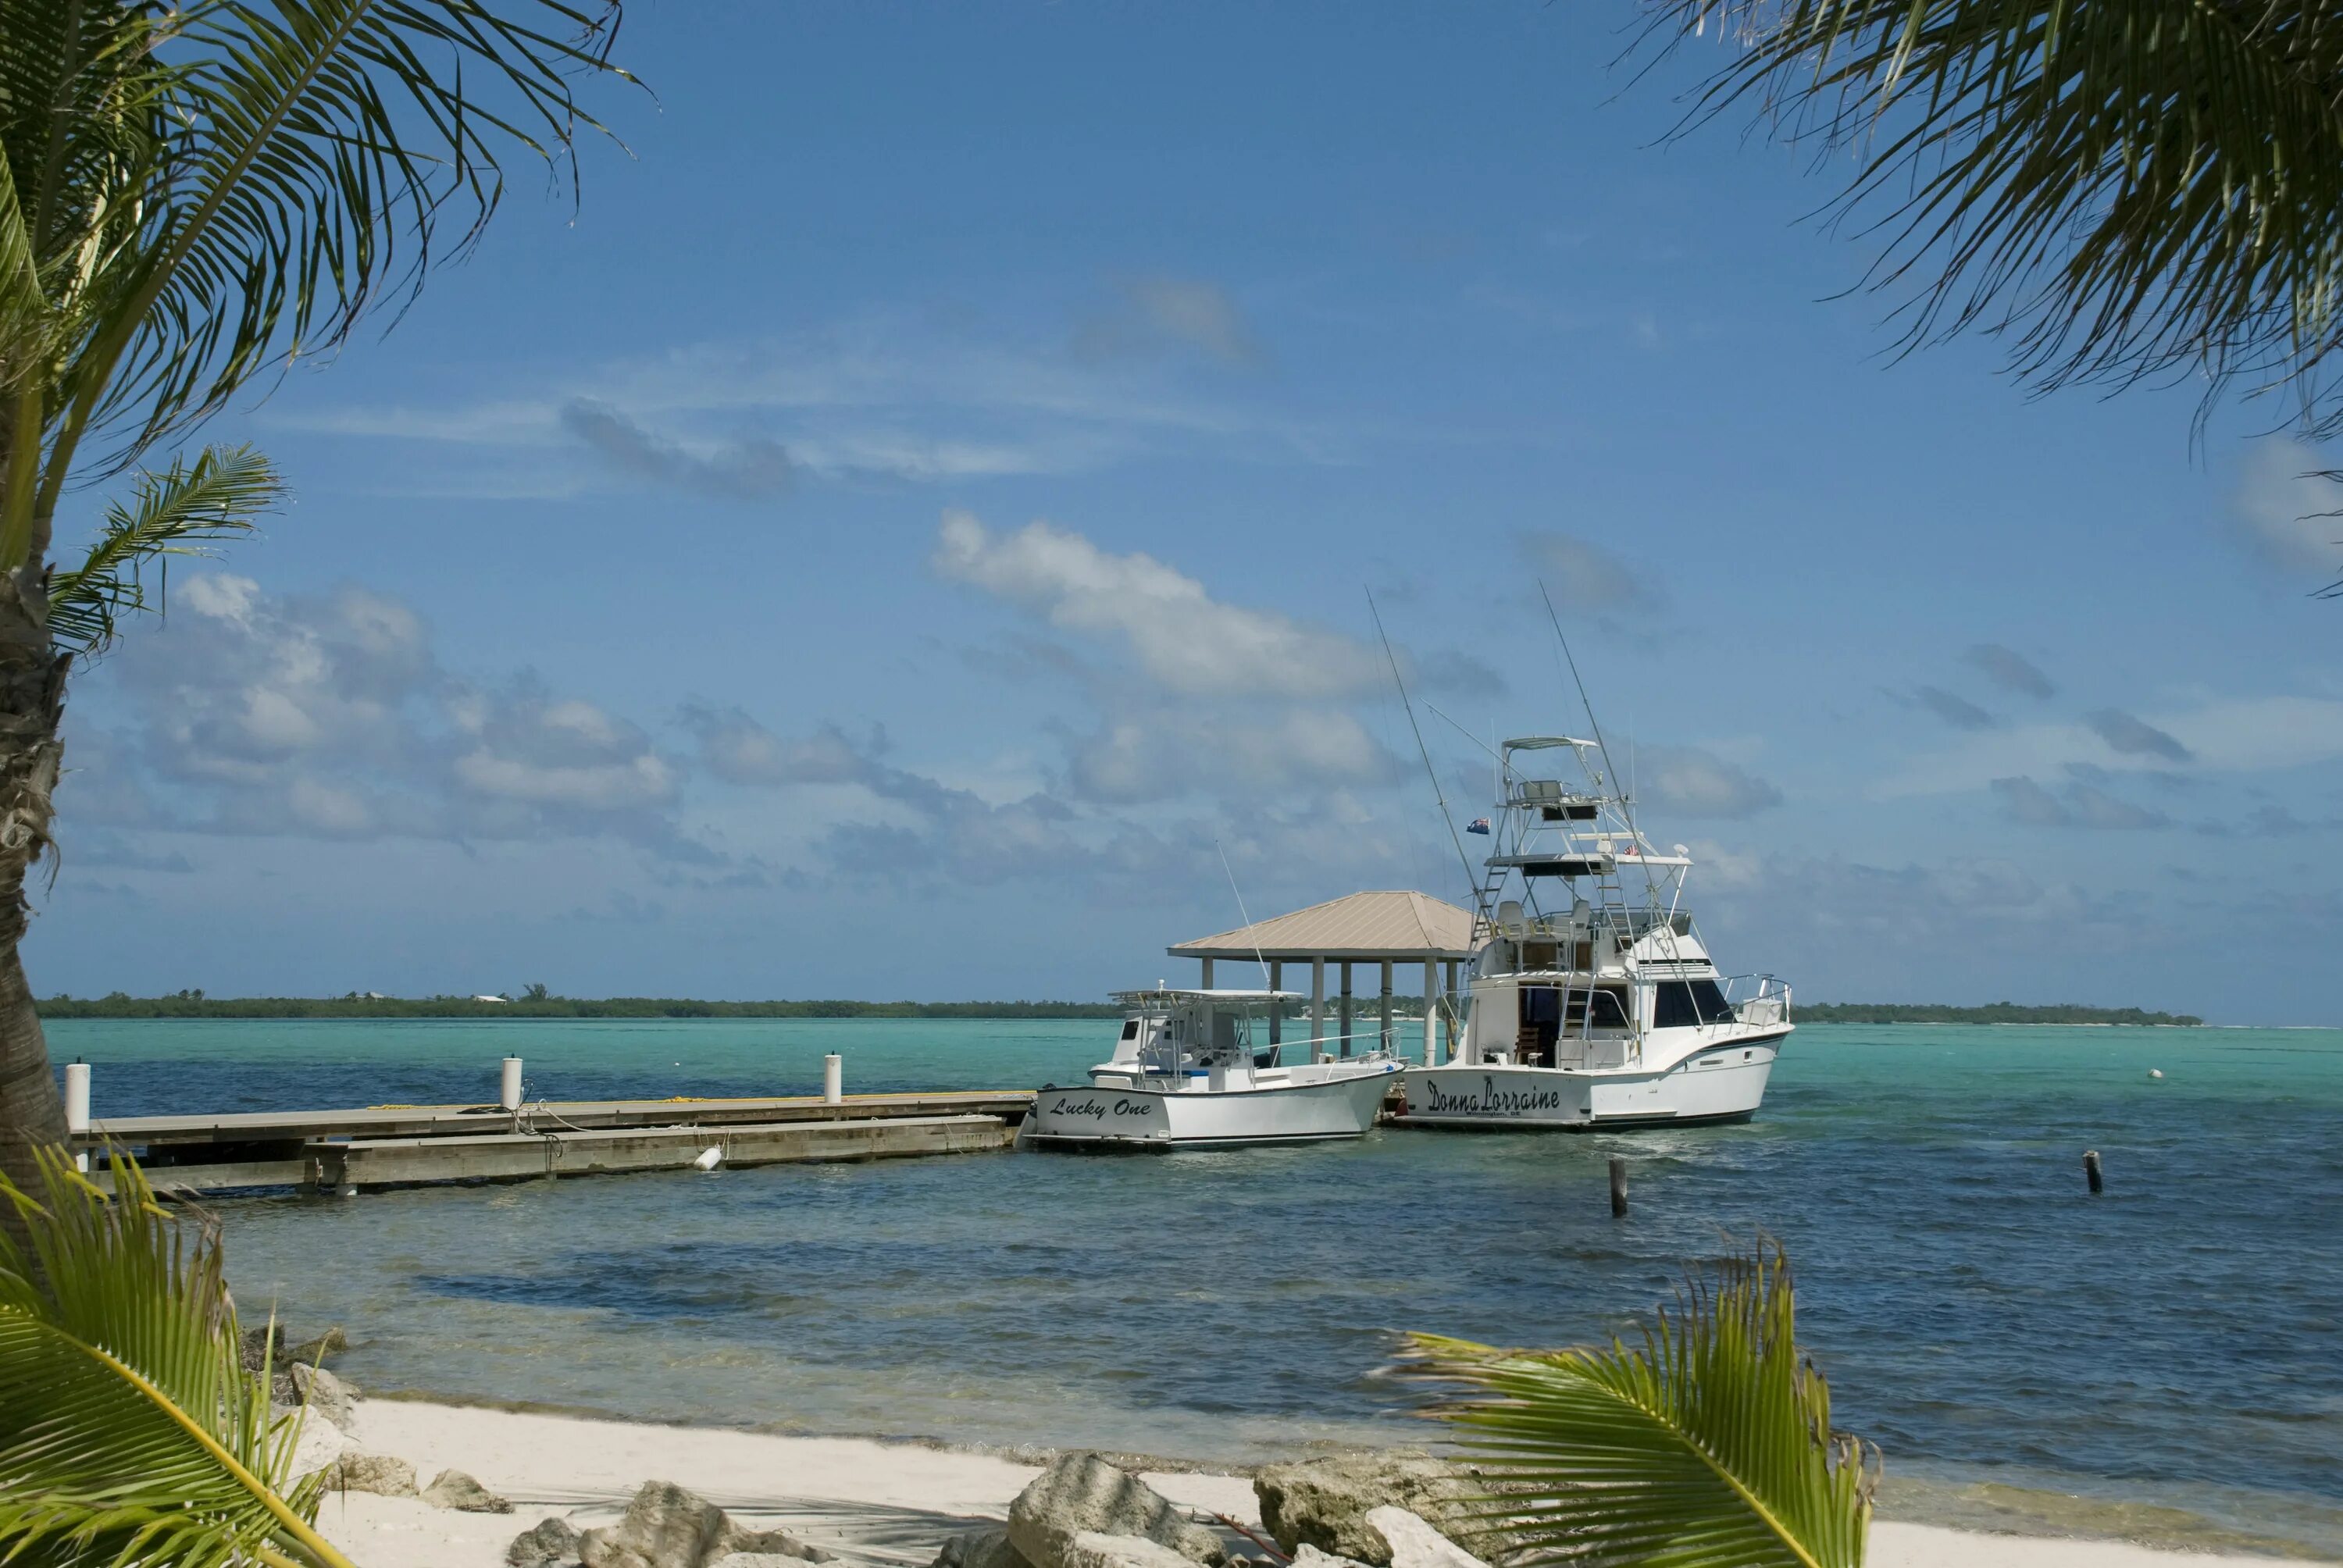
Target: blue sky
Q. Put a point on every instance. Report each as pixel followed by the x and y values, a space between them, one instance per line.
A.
pixel 923 499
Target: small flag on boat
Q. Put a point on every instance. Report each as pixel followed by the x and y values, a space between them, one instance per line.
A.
pixel 1478 825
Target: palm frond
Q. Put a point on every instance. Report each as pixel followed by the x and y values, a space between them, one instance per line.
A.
pixel 129 1430
pixel 1707 1446
pixel 216 497
pixel 313 151
pixel 2126 189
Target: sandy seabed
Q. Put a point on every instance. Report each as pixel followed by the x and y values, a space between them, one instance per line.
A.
pixel 879 1503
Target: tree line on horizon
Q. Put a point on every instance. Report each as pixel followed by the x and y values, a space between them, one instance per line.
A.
pixel 535 1002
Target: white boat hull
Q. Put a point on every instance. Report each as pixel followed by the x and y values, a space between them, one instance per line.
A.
pixel 1723 1083
pixel 1140 1118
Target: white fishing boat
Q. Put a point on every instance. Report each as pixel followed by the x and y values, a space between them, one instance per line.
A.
pixel 1186 1074
pixel 1593 1002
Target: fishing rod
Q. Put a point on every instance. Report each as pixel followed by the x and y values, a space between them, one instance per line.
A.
pixel 1626 804
pixel 1480 903
pixel 1462 731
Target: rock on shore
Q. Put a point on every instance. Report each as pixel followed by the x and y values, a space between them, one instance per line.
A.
pixel 665 1526
pixel 1081 1493
pixel 1324 1503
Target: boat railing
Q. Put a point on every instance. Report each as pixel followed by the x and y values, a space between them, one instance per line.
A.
pixel 1758 998
pixel 1173 1061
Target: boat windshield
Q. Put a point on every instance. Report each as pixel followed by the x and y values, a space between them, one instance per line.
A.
pixel 1201 1035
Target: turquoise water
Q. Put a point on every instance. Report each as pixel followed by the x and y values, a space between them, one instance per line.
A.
pixel 2176 1342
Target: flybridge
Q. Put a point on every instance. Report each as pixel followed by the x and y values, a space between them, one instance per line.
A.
pixel 1594 1000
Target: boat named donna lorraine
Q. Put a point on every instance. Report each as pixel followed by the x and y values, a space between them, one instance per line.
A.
pixel 1593 1001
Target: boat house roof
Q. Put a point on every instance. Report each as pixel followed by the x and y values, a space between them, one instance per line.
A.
pixel 1366 927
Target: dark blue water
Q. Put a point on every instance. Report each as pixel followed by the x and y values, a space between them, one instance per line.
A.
pixel 2179 1340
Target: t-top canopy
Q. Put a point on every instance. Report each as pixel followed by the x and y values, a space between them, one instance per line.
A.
pixel 1362 927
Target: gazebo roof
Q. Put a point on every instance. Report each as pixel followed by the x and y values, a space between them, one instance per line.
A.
pixel 1367 927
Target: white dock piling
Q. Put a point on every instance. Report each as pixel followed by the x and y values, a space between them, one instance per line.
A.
pixel 77 1106
pixel 833 1079
pixel 508 1089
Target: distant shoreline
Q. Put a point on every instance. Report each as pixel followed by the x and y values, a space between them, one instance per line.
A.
pixel 195 1004
pixel 199 1006
pixel 1991 1013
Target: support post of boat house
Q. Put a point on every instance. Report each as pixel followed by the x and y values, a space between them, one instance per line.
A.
pixel 1456 1019
pixel 1346 1008
pixel 1318 1008
pixel 1431 1012
pixel 1382 928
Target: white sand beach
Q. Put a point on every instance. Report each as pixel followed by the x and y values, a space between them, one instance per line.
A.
pixel 876 1503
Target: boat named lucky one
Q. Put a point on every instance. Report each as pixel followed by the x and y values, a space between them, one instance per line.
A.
pixel 1185 1074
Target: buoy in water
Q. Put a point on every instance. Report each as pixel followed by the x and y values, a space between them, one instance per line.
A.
pixel 709 1158
pixel 2155 1072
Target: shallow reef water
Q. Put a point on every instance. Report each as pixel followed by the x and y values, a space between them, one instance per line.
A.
pixel 2164 1361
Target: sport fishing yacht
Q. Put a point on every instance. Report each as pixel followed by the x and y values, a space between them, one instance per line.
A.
pixel 1594 1000
pixel 1186 1074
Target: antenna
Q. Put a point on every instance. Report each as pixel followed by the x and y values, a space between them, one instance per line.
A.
pixel 1245 917
pixel 1479 903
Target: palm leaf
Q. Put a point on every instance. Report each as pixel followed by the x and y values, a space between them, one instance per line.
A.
pixel 129 1430
pixel 312 150
pixel 216 496
pixel 1707 1446
pixel 2126 189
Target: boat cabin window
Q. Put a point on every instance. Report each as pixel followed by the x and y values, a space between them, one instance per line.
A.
pixel 1609 1004
pixel 1682 1004
pixel 1131 1028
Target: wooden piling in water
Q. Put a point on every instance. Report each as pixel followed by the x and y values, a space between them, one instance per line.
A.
pixel 1619 1187
pixel 2091 1171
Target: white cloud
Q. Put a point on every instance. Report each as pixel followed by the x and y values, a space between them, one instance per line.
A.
pixel 330 718
pixel 1162 755
pixel 2285 507
pixel 1585 577
pixel 742 467
pixel 1691 782
pixel 887 393
pixel 2241 734
pixel 737 750
pixel 2011 669
pixel 1158 310
pixel 2077 805
pixel 641 780
pixel 1953 708
pixel 1181 637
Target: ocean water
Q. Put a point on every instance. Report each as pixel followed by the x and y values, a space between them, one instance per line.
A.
pixel 2164 1361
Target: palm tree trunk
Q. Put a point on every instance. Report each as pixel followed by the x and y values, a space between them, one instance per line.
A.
pixel 31 700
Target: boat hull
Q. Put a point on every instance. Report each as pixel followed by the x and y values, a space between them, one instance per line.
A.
pixel 1143 1119
pixel 1724 1083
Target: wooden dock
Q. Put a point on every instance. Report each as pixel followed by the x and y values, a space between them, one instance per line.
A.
pixel 409 1145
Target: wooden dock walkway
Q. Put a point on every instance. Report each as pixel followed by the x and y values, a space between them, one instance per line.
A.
pixel 407 1145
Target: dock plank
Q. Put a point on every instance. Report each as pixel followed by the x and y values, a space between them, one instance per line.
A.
pixel 365 1163
pixel 451 1120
